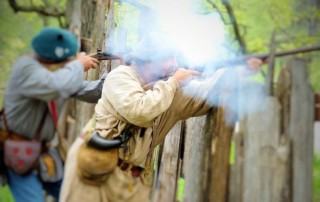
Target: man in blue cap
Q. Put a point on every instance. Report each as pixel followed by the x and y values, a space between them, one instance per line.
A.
pixel 52 74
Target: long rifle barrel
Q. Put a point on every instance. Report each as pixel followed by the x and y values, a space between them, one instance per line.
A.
pixel 265 56
pixel 220 63
pixel 285 53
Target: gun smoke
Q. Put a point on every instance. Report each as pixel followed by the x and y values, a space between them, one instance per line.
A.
pixel 202 41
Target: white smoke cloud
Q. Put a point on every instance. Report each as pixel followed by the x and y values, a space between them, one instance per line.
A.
pixel 202 39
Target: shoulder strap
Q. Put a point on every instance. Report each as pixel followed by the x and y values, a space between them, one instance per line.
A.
pixel 3 116
pixel 38 131
pixel 52 108
pixel 52 105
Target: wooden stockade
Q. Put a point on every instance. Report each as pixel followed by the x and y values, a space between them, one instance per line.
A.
pixel 273 150
pixel 273 146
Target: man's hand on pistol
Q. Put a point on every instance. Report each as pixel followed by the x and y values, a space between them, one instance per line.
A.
pixel 87 61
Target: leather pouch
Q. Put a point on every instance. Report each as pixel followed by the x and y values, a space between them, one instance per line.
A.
pixel 50 166
pixel 21 155
pixel 94 165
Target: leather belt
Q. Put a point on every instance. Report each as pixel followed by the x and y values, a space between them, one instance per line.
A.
pixel 135 170
pixel 16 137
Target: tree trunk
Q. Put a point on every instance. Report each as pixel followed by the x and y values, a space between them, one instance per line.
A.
pixel 314 21
pixel 308 23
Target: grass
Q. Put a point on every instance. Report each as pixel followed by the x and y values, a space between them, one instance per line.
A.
pixel 316 179
pixel 5 194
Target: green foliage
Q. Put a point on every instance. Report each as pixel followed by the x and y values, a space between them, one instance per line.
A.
pixel 127 18
pixel 5 194
pixel 290 23
pixel 232 152
pixel 316 179
pixel 16 31
pixel 180 189
pixel 315 72
pixel 257 20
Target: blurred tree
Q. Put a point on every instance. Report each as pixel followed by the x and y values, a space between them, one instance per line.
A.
pixel 251 23
pixel 16 31
pixel 48 8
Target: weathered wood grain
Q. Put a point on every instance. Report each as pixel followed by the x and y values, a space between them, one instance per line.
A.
pixel 301 130
pixel 195 160
pixel 220 156
pixel 169 165
pixel 266 157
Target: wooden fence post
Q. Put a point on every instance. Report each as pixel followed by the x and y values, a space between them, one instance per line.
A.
pixel 169 166
pixel 265 156
pixel 196 159
pixel 220 156
pixel 236 171
pixel 301 130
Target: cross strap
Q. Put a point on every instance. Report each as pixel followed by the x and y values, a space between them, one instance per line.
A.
pixel 39 129
pixel 3 116
pixel 52 105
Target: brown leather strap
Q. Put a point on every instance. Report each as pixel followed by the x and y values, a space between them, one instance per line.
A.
pixel 38 131
pixel 3 116
pixel 3 133
pixel 17 137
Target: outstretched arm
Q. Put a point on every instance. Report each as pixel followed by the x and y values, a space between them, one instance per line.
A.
pixel 91 91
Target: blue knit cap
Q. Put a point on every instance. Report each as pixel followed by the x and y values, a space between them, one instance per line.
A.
pixel 55 44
